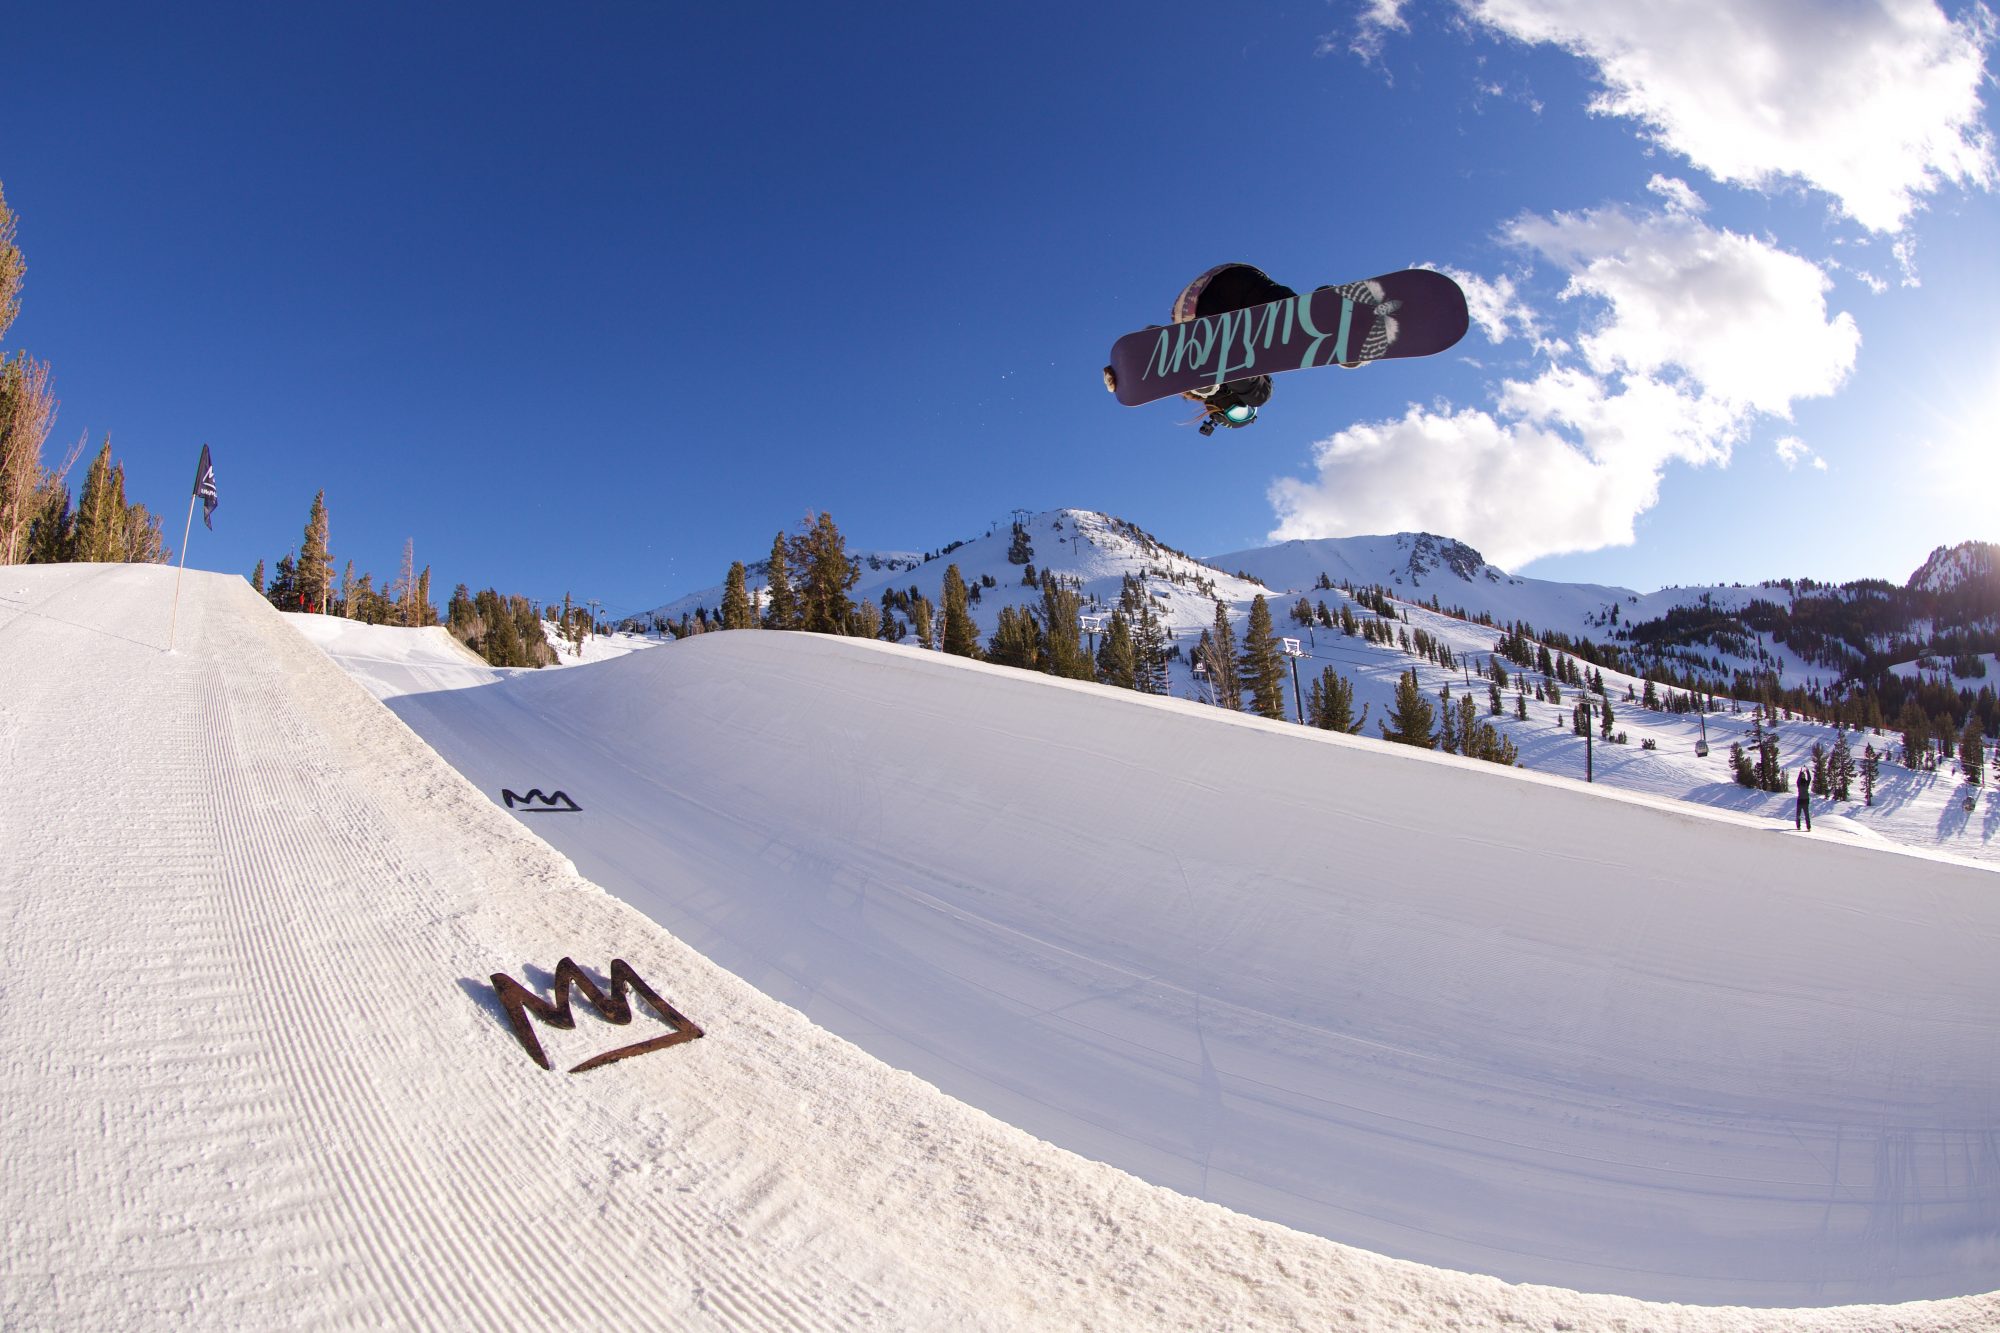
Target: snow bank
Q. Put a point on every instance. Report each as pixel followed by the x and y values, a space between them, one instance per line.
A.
pixel 1452 1013
pixel 252 1074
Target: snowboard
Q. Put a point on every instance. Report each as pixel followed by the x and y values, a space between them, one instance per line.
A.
pixel 1414 312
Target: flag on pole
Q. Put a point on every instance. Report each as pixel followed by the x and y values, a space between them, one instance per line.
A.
pixel 204 486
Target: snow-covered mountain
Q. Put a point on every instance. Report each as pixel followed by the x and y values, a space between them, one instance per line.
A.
pixel 1425 568
pixel 1952 567
pixel 1094 552
pixel 1804 633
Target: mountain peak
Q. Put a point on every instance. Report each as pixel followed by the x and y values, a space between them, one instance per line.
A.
pixel 1951 567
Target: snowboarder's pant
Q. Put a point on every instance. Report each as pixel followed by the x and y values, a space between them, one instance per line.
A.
pixel 1803 812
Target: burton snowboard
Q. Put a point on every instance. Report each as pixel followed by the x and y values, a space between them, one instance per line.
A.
pixel 1414 312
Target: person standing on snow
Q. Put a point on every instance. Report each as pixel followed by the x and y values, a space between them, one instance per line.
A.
pixel 1803 810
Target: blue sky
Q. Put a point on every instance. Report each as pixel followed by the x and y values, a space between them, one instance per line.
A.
pixel 598 298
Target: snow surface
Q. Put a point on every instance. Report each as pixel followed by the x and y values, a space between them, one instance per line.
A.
pixel 1156 935
pixel 252 1073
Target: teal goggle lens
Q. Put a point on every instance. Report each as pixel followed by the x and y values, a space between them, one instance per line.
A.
pixel 1240 415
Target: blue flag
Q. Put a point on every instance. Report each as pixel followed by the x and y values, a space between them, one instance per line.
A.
pixel 204 486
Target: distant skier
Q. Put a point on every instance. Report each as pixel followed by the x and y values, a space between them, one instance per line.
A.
pixel 1803 810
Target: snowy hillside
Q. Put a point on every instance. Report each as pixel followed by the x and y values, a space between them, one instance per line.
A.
pixel 1417 567
pixel 1952 567
pixel 1800 634
pixel 1093 550
pixel 1344 986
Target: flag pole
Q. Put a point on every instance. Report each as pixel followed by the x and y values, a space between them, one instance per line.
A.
pixel 186 532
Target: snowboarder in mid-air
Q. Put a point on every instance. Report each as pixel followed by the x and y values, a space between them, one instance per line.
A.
pixel 1229 287
pixel 1224 287
pixel 1233 328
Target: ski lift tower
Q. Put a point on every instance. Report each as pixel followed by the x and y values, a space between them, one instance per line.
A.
pixel 1202 680
pixel 1093 625
pixel 1589 706
pixel 1295 650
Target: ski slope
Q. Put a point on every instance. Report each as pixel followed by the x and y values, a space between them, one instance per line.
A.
pixel 252 1074
pixel 1475 1018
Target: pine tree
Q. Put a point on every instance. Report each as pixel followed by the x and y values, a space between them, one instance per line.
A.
pixel 1062 649
pixel 1410 718
pixel 1840 767
pixel 284 591
pixel 27 411
pixel 100 511
pixel 1740 766
pixel 1262 666
pixel 736 612
pixel 315 567
pixel 426 613
pixel 1447 721
pixel 1331 705
pixel 1469 726
pixel 52 533
pixel 864 620
pixel 461 617
pixel 825 575
pixel 1770 772
pixel 1916 729
pixel 1972 752
pixel 923 621
pixel 1019 552
pixel 1117 658
pixel 781 607
pixel 12 266
pixel 1150 646
pixel 1220 656
pixel 961 636
pixel 144 542
pixel 1604 727
pixel 1015 641
pixel 1871 768
pixel 257 578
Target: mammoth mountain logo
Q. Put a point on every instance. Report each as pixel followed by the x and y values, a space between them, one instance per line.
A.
pixel 519 1002
pixel 534 803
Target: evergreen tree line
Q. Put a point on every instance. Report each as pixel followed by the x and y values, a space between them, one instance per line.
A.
pixel 303 580
pixel 38 523
pixel 506 631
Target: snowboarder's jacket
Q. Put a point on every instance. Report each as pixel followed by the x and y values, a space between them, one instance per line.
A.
pixel 1230 287
pixel 1227 287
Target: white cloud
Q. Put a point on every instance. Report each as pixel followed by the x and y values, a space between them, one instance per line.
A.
pixel 1744 319
pixel 1680 196
pixel 1507 488
pixel 1792 451
pixel 1378 19
pixel 1686 335
pixel 1875 103
pixel 1493 305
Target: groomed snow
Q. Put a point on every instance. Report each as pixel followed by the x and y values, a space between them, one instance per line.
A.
pixel 252 1073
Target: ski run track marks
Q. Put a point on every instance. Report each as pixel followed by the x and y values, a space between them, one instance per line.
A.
pixel 253 1075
